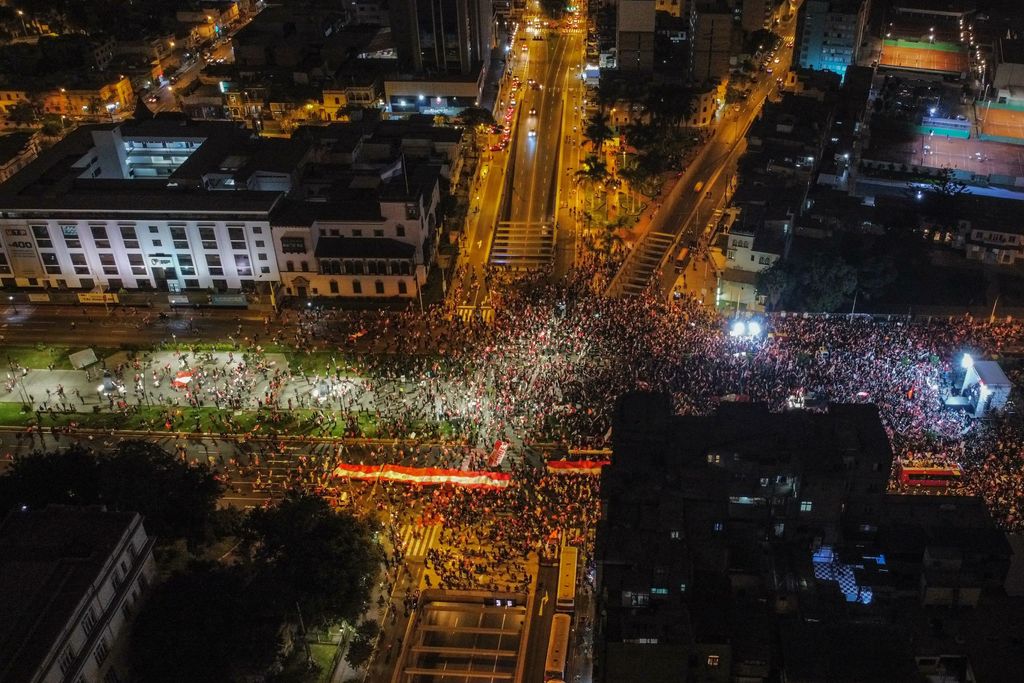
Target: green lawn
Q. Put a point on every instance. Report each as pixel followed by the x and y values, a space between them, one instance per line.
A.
pixel 323 655
pixel 42 355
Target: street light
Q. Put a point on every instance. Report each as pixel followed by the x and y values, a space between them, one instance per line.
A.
pixel 13 305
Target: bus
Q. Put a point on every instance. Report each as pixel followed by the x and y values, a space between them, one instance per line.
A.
pixel 930 476
pixel 566 598
pixel 558 648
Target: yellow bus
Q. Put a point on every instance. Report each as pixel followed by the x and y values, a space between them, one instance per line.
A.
pixel 558 648
pixel 566 598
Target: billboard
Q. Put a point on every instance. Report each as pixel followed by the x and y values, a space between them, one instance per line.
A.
pixel 21 251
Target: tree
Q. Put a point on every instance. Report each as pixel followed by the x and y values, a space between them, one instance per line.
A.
pixel 592 172
pixel 598 131
pixel 944 197
pixel 773 283
pixel 23 113
pixel 177 500
pixel 204 624
pixel 361 646
pixel 311 556
pixel 471 117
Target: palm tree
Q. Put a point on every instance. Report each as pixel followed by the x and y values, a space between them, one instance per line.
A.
pixel 598 130
pixel 593 172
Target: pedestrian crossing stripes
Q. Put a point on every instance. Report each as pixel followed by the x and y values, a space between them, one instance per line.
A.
pixel 416 540
pixel 469 313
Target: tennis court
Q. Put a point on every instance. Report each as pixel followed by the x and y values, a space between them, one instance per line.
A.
pixel 923 58
pixel 1000 123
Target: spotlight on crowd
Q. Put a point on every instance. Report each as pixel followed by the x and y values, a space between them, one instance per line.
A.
pixel 754 328
pixel 967 362
pixel 738 329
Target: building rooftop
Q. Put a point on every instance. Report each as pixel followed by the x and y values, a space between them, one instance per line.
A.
pixel 363 247
pixel 846 653
pixel 49 561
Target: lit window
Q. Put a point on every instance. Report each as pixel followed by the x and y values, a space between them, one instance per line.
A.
pixel 805 506
pixel 659 591
pixel 674 535
pixel 718 526
pixel 712 660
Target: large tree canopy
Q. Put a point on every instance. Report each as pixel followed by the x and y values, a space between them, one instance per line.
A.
pixel 177 500
pixel 313 556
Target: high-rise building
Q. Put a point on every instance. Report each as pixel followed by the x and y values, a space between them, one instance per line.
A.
pixel 713 28
pixel 634 35
pixel 830 33
pixel 442 36
pixel 756 14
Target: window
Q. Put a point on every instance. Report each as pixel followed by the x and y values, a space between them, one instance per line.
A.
pixel 243 265
pixel 70 233
pixel 357 232
pixel 102 650
pixel 257 230
pixel 717 526
pixel 260 244
pixel 208 238
pixel 89 621
pixel 237 237
pixel 108 263
pixel 128 232
pixel 378 287
pixel 659 591
pixel 402 287
pixel 137 263
pixel 305 266
pixel 400 230
pixel 674 535
pixel 377 232
pixel 264 269
pixel 714 458
pixel 357 287
pixel 186 264
pixel 261 257
pixel 153 229
pixel 713 660
pixel 180 238
pixel 334 286
pixel 42 235
pixel 293 245
pixel 806 505
pixel 67 658
pixel 50 263
pixel 99 237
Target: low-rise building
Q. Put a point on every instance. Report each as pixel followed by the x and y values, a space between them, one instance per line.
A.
pixel 70 583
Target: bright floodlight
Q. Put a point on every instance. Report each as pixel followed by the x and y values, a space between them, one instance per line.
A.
pixel 739 328
pixel 967 363
pixel 754 328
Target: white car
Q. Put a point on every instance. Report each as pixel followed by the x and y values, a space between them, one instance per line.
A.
pixel 532 133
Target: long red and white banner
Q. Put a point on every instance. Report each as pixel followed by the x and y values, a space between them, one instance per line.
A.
pixel 424 476
pixel 576 466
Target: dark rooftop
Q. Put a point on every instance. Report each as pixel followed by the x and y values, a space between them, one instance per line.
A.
pixel 49 560
pixel 363 247
pixel 846 653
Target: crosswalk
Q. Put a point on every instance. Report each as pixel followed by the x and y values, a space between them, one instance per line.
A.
pixel 468 313
pixel 416 540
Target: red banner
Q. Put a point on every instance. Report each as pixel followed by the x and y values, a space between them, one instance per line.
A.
pixel 424 476
pixel 577 466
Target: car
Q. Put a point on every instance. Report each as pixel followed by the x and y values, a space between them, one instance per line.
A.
pixel 537 86
pixel 532 133
pixel 533 111
pixel 152 98
pixel 525 49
